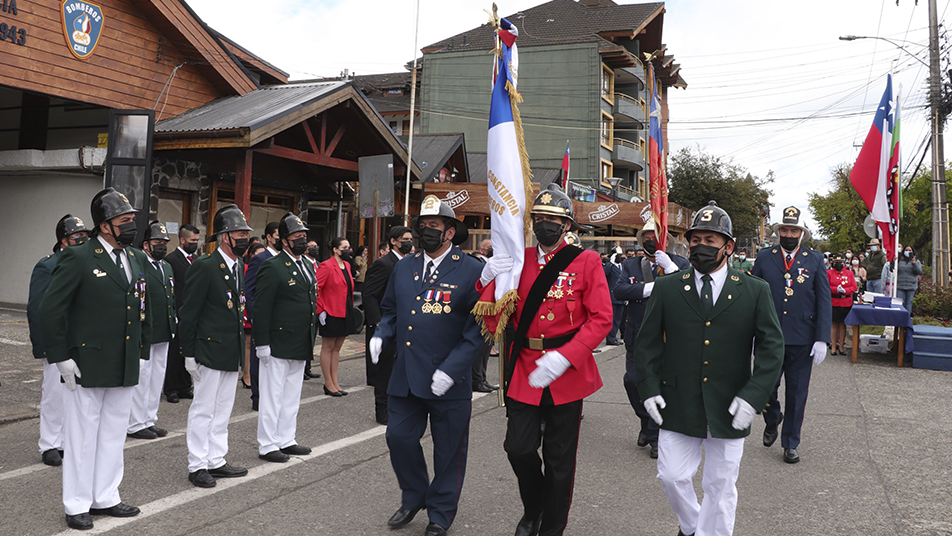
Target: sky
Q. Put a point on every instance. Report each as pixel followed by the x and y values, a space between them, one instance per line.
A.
pixel 770 85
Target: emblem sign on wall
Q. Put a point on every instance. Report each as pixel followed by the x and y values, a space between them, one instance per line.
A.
pixel 82 26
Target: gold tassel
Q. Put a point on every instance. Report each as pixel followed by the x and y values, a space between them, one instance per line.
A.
pixel 504 307
pixel 515 98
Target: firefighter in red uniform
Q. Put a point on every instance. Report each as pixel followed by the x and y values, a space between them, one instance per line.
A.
pixel 564 311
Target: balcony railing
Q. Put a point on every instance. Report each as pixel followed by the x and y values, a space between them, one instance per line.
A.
pixel 628 108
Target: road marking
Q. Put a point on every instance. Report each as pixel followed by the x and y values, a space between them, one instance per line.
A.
pixel 14 343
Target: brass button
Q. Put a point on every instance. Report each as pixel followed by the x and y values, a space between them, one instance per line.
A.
pixel 705 362
pixel 785 300
pixel 409 328
pixel 664 383
pixel 412 312
pixel 127 337
pixel 708 323
pixel 417 298
pixel 129 323
pixel 707 343
pixel 542 317
pixel 127 308
pixel 705 380
pixel 408 343
pixel 784 312
pixel 84 344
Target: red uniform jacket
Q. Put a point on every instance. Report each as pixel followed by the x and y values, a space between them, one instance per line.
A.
pixel 332 289
pixel 579 300
pixel 842 277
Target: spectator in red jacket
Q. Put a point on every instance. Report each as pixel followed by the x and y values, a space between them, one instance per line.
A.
pixel 842 287
pixel 335 288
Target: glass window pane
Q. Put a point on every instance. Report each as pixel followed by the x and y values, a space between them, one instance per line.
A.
pixel 131 136
pixel 130 181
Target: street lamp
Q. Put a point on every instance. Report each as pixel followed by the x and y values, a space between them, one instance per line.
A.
pixel 940 209
pixel 614 182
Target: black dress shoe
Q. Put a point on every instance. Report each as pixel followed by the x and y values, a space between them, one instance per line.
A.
pixel 79 521
pixel 186 394
pixel 228 471
pixel 401 517
pixel 202 479
pixel 771 432
pixel 482 387
pixel 343 392
pixel 382 419
pixel 245 385
pixel 642 439
pixel 654 452
pixel 52 458
pixel 119 510
pixel 529 525
pixel 296 450
pixel 161 432
pixel 434 530
pixel 275 456
pixel 172 398
pixel 791 456
pixel 328 392
pixel 683 534
pixel 306 377
pixel 145 433
pixel 313 374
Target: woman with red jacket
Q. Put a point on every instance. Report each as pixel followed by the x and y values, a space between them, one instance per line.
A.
pixel 335 296
pixel 842 287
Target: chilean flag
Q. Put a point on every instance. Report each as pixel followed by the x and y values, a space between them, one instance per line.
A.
pixel 875 175
pixel 565 168
pixel 657 182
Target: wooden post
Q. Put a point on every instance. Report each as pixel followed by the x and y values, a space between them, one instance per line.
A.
pixel 243 183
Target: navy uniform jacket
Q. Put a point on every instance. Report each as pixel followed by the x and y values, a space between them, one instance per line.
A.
pixel 39 281
pixel 805 315
pixel 449 341
pixel 612 273
pixel 162 299
pixel 631 286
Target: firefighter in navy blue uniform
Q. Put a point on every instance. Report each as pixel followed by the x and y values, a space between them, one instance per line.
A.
pixel 427 311
pixel 635 285
pixel 159 285
pixel 70 231
pixel 801 294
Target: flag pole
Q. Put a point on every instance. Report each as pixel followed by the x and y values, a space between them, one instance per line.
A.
pixel 406 198
pixel 898 209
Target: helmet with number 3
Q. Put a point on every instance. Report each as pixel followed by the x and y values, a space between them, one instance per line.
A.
pixel 712 218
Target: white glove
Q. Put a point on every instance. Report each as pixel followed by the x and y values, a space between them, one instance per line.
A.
pixel 264 354
pixel 818 352
pixel 69 370
pixel 664 261
pixel 441 382
pixel 550 366
pixel 376 345
pixel 495 265
pixel 192 367
pixel 652 405
pixel 840 289
pixel 646 292
pixel 322 318
pixel 743 413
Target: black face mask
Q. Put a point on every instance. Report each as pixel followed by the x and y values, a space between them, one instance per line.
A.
pixel 547 233
pixel 789 243
pixel 239 246
pixel 406 246
pixel 312 252
pixel 837 265
pixel 190 248
pixel 159 251
pixel 78 241
pixel 125 233
pixel 346 254
pixel 489 253
pixel 298 246
pixel 431 239
pixel 705 258
pixel 650 247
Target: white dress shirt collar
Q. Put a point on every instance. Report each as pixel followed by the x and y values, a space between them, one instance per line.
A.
pixel 436 261
pixel 718 277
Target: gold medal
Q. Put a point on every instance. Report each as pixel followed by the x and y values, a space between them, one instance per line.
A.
pixel 786 276
pixel 141 317
pixel 436 309
pixel 446 309
pixel 230 304
pixel 789 291
pixel 425 307
pixel 550 317
pixel 801 279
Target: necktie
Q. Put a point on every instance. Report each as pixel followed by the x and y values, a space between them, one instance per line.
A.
pixel 655 269
pixel 788 258
pixel 303 271
pixel 158 268
pixel 234 273
pixel 190 258
pixel 707 294
pixel 429 270
pixel 122 269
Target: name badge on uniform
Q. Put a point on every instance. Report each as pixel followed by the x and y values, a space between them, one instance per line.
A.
pixel 98 273
pixel 292 282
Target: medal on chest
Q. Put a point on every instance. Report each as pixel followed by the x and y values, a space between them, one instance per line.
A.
pixel 228 301
pixel 140 292
pixel 446 301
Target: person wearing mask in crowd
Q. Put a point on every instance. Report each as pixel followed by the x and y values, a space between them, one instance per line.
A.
pixel 480 383
pixel 907 278
pixel 335 297
pixel 635 285
pixel 273 243
pixel 742 263
pixel 95 322
pixel 874 267
pixel 313 252
pixel 801 296
pixel 612 270
pixel 550 366
pixel 212 331
pixel 161 297
pixel 178 382
pixel 842 287
pixel 639 251
pixel 254 249
pixel 708 354
pixel 378 277
pixel 826 259
pixel 859 270
pixel 285 330
pixel 360 260
pixel 70 231
pixel 848 257
pixel 629 253
pixel 427 312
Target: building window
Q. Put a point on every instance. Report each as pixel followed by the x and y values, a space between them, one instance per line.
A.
pixel 606 170
pixel 607 130
pixel 641 187
pixel 642 148
pixel 608 84
pixel 394 127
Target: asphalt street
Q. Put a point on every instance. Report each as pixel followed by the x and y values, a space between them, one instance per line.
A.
pixel 876 460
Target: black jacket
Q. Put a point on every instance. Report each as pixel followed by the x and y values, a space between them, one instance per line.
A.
pixel 375 285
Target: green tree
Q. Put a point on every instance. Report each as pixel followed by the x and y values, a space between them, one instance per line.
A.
pixel 696 177
pixel 840 212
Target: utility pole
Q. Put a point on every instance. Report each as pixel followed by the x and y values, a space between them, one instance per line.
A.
pixel 940 208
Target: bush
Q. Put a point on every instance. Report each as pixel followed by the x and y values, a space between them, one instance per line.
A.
pixel 933 300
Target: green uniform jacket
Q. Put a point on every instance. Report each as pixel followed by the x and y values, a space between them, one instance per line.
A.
pixel 211 321
pixel 90 315
pixel 39 281
pixel 162 297
pixel 285 308
pixel 742 265
pixel 699 362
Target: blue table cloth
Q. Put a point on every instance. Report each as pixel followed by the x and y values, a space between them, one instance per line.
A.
pixel 867 315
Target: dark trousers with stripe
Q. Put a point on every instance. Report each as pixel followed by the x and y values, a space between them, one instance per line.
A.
pixel 797 367
pixel 546 483
pixel 648 426
pixel 449 429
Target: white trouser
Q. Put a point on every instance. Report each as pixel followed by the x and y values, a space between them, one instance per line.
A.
pixel 95 431
pixel 207 429
pixel 145 397
pixel 51 408
pixel 678 459
pixel 279 389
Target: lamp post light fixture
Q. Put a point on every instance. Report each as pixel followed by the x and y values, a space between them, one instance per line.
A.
pixel 614 182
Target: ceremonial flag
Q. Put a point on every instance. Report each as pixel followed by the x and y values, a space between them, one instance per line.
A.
pixel 565 168
pixel 875 174
pixel 657 182
pixel 509 178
